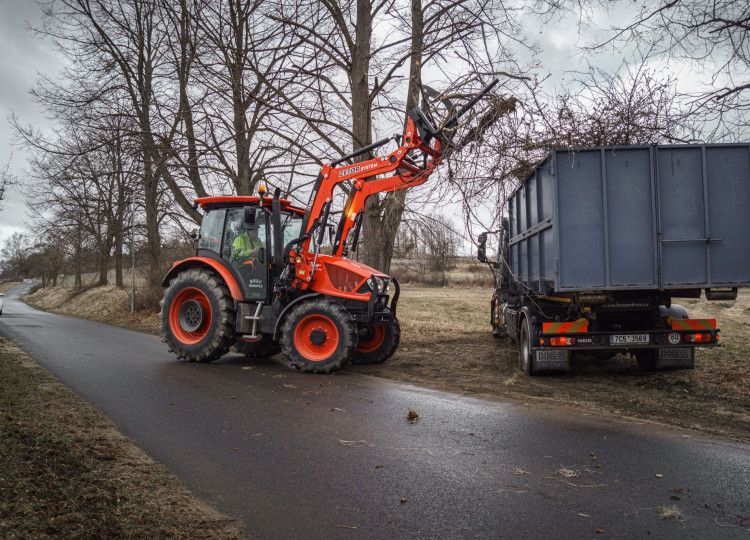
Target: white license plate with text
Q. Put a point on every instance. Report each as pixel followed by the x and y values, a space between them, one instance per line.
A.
pixel 628 339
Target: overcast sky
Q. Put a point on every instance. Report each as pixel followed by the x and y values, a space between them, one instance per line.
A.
pixel 24 56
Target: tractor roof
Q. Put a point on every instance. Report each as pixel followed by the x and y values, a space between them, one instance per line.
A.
pixel 207 203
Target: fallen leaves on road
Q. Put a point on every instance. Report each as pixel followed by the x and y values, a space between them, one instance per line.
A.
pixel 356 443
pixel 669 512
pixel 568 473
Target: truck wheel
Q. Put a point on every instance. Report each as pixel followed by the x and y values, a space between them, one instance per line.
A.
pixel 646 360
pixel 265 347
pixel 197 316
pixel 319 336
pixel 377 342
pixel 524 347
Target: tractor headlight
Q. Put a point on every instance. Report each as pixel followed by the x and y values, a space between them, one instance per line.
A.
pixel 376 284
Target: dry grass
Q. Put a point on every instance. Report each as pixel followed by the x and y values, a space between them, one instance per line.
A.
pixel 68 473
pixel 464 273
pixel 104 304
pixel 5 287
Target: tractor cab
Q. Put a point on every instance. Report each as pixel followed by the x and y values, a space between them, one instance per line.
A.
pixel 239 232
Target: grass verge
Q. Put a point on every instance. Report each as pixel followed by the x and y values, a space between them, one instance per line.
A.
pixel 68 473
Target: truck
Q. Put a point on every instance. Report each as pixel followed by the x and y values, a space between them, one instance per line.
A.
pixel 598 242
pixel 260 282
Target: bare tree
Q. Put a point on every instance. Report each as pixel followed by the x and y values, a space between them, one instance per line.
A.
pixel 7 179
pixel 15 254
pixel 713 38
pixel 347 72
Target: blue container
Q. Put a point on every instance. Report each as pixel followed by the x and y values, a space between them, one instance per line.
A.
pixel 633 217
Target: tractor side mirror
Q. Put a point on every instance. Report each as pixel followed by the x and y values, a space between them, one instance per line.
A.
pixel 482 248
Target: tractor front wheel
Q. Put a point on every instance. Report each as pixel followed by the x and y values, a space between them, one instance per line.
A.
pixel 318 336
pixel 377 342
pixel 197 316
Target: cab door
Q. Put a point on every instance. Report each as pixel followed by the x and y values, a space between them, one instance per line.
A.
pixel 244 246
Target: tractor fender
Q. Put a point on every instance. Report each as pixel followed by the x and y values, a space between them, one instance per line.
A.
pixel 280 318
pixel 205 262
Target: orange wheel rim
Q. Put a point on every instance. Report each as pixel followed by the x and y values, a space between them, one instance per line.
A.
pixel 190 315
pixel 316 337
pixel 378 336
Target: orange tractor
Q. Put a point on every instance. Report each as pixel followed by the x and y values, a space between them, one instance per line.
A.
pixel 260 283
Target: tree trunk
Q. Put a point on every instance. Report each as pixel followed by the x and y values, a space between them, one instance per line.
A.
pixel 153 237
pixel 362 127
pixel 119 280
pixel 78 281
pixel 383 217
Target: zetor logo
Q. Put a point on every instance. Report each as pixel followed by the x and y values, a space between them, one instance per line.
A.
pixel 352 170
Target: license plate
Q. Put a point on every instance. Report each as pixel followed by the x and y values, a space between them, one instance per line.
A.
pixel 628 339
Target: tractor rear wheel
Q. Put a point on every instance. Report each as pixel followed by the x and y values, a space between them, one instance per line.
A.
pixel 318 336
pixel 377 342
pixel 265 347
pixel 197 316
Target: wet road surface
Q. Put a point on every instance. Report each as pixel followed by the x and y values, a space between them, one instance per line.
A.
pixel 305 456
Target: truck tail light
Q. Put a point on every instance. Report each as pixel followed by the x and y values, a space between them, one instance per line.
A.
pixel 562 341
pixel 698 338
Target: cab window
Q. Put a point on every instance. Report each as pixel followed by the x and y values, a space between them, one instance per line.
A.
pixel 212 228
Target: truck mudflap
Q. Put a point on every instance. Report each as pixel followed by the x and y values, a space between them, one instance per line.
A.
pixel 551 360
pixel 676 357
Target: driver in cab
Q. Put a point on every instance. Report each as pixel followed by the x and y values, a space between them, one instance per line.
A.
pixel 246 247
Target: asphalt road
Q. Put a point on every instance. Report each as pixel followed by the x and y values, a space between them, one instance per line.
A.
pixel 306 456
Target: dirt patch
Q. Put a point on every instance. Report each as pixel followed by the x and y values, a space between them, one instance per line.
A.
pixel 447 344
pixel 68 473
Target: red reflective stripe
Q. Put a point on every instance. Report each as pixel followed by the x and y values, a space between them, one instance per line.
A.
pixel 581 325
pixel 693 324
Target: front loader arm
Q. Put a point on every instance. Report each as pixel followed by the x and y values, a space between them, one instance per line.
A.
pixel 419 136
pixel 407 172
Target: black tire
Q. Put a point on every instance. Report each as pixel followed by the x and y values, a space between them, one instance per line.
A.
pixel 377 342
pixel 266 347
pixel 524 348
pixel 197 316
pixel 318 336
pixel 646 360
